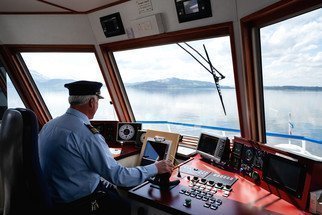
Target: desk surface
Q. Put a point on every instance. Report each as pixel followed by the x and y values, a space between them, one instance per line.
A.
pixel 244 198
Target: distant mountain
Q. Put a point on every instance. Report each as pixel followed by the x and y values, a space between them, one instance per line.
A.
pixel 44 82
pixel 173 83
pixel 295 88
pixel 177 84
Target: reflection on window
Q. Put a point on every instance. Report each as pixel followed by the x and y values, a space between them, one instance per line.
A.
pixel 14 100
pixel 9 97
pixel 292 79
pixel 165 83
pixel 51 71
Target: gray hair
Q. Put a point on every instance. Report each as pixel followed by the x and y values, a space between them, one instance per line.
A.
pixel 80 100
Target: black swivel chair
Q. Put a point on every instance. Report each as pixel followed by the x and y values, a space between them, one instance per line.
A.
pixel 25 190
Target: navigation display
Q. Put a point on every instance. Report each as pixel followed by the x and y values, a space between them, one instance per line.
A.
pixel 207 146
pixel 155 151
pixel 284 173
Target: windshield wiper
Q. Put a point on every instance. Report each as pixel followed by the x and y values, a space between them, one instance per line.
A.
pixel 212 69
pixel 216 79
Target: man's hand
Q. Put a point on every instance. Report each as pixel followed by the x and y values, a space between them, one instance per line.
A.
pixel 164 166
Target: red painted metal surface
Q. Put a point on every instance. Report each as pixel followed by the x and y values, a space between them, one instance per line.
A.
pixel 245 197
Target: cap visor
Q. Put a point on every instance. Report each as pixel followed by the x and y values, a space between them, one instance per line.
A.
pixel 100 97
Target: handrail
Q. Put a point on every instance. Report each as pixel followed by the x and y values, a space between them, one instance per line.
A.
pixel 297 137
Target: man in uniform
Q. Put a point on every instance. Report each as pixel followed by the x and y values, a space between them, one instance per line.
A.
pixel 76 160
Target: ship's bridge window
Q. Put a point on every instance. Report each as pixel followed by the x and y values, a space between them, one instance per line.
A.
pixel 291 54
pixel 13 97
pixel 9 98
pixel 171 87
pixel 51 70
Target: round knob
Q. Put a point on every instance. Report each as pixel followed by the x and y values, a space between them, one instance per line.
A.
pixel 187 202
pixel 211 183
pixel 255 176
pixel 219 185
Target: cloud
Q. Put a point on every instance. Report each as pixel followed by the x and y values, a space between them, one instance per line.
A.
pixel 292 51
pixel 75 66
pixel 167 61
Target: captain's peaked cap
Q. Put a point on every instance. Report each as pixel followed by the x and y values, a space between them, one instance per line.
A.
pixel 82 88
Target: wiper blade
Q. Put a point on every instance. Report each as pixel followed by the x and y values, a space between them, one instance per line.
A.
pixel 195 58
pixel 216 78
pixel 213 68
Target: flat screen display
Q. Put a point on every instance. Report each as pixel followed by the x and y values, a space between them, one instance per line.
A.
pixel 286 174
pixel 154 151
pixel 191 6
pixel 207 145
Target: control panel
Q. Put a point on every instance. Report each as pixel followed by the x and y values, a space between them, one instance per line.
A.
pixel 192 171
pixel 108 129
pixel 208 191
pixel 247 160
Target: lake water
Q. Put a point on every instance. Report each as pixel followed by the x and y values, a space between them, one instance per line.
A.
pixel 203 107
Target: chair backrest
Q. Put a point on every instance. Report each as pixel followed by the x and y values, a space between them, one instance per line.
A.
pixel 25 190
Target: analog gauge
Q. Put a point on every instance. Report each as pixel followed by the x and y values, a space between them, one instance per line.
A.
pixel 258 161
pixel 249 155
pixel 142 137
pixel 126 132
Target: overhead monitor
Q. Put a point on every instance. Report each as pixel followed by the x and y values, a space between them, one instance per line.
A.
pixel 188 10
pixel 112 25
pixel 155 150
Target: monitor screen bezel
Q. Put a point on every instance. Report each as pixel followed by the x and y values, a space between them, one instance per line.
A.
pixel 270 180
pixel 203 153
pixel 167 152
pixel 204 10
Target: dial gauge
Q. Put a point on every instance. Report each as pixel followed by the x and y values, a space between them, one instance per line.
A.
pixel 126 132
pixel 249 155
pixel 142 137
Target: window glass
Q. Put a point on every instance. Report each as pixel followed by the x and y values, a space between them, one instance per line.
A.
pixel 51 71
pixel 14 100
pixel 166 84
pixel 292 79
pixel 9 97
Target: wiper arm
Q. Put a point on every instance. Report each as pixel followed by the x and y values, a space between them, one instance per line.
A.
pixel 195 58
pixel 213 68
pixel 216 78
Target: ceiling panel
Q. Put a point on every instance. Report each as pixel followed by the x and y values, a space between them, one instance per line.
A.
pixel 54 6
pixel 82 5
pixel 27 6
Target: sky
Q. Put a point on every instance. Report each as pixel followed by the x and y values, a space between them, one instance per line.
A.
pixel 291 55
pixel 292 51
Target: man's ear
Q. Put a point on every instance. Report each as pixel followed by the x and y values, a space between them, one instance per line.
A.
pixel 91 102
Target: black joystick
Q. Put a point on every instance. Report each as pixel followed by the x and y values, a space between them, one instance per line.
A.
pixel 179 174
pixel 162 181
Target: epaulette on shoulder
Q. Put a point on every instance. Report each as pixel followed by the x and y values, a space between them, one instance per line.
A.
pixel 92 129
